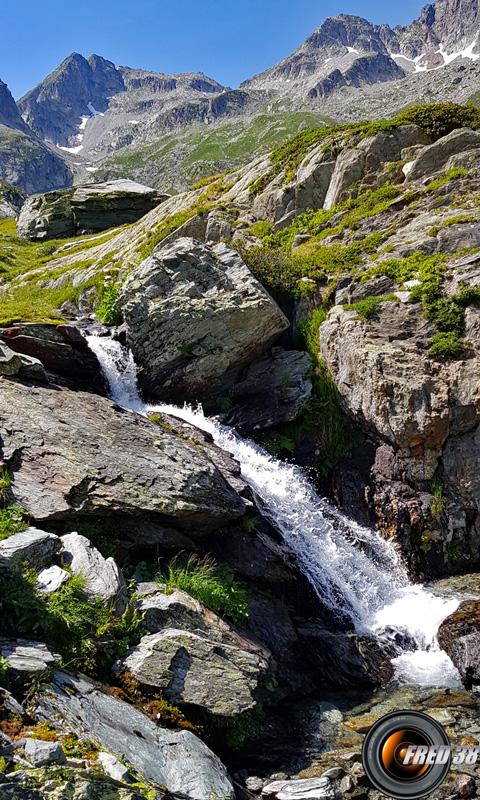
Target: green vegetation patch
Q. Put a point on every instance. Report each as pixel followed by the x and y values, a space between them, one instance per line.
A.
pixel 108 311
pixel 212 585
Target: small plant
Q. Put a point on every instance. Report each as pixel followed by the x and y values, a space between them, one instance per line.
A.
pixel 260 229
pixel 108 311
pixel 249 524
pixel 446 346
pixel 3 669
pixel 5 484
pixel 73 747
pixel 3 764
pixel 12 520
pixel 167 715
pixel 185 349
pixel 370 306
pixel 45 732
pixel 438 502
pixel 212 585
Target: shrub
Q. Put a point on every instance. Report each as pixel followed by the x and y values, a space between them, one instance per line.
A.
pixel 108 311
pixel 212 585
pixel 260 229
pixel 444 346
pixel 438 119
pixel 369 306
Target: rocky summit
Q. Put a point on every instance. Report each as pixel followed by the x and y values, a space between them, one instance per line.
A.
pixel 239 419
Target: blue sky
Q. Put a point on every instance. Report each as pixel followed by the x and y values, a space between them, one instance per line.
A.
pixel 228 40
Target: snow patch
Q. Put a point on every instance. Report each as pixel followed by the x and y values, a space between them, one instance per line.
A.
pixel 91 169
pixel 352 50
pixel 73 150
pixel 134 121
pixel 83 123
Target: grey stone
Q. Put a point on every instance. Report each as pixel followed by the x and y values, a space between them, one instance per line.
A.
pixel 110 462
pixel 177 760
pixel 303 789
pixel 195 316
pixel 10 362
pixel 271 391
pixel 25 658
pixel 51 579
pixel 103 578
pixel 32 369
pixel 435 156
pixel 33 546
pixel 61 349
pixel 113 767
pixel 41 753
pixel 174 610
pixel 189 668
pixel 349 169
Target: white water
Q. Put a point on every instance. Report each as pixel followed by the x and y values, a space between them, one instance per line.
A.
pixel 352 568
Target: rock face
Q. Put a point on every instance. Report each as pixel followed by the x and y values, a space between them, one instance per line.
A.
pixel 424 414
pixel 195 316
pixel 433 158
pixel 82 456
pixel 179 761
pixel 459 636
pixel 11 200
pixel 272 391
pixel 103 578
pixel 85 209
pixel 61 349
pixel 191 669
pixel 27 163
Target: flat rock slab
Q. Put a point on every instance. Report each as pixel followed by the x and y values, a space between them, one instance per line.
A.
pixel 41 753
pixel 79 455
pixel 305 789
pixel 25 657
pixel 33 546
pixel 177 760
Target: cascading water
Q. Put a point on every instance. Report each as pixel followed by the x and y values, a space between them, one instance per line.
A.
pixel 352 569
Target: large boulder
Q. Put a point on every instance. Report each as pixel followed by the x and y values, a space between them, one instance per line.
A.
pixel 178 761
pixel 189 668
pixel 76 455
pixel 435 156
pixel 103 578
pixel 459 636
pixel 85 209
pixel 195 317
pixel 61 349
pixel 349 169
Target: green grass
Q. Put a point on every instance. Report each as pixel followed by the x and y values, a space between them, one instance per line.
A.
pixel 13 519
pixel 438 502
pixel 212 585
pixel 369 306
pixel 449 175
pixel 85 632
pixel 460 219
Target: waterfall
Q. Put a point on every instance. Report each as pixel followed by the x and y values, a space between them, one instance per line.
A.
pixel 353 570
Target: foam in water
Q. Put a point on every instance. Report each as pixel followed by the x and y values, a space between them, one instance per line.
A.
pixel 352 569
